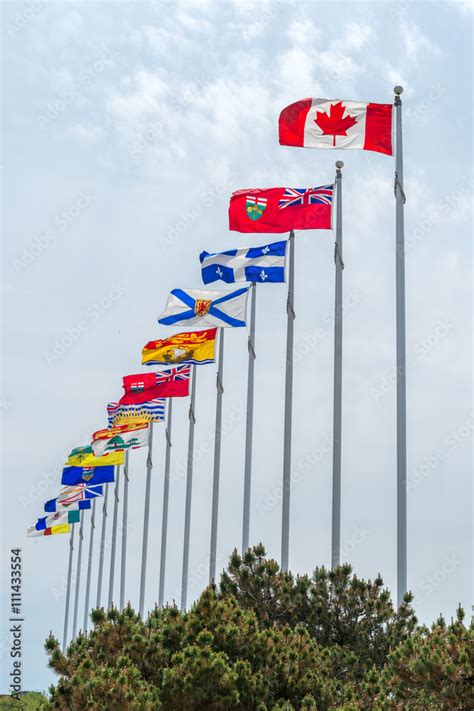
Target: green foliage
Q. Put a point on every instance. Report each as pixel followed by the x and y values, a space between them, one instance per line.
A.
pixel 31 701
pixel 266 641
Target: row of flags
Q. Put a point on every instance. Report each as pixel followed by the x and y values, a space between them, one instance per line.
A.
pixel 310 123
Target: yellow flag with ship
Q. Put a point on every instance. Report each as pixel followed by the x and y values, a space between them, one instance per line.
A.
pixel 196 347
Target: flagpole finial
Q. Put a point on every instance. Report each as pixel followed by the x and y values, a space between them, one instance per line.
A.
pixel 398 89
pixel 339 164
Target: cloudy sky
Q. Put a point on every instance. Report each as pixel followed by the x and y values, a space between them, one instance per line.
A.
pixel 126 126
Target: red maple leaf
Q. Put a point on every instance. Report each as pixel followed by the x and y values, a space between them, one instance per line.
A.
pixel 333 124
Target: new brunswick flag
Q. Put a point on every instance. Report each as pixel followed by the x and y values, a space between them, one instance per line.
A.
pixel 194 347
pixel 84 457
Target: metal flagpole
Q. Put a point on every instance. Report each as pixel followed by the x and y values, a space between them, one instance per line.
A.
pixel 249 423
pixel 166 491
pixel 189 491
pixel 114 538
pixel 401 358
pixel 149 467
pixel 124 533
pixel 68 588
pixel 102 545
pixel 217 460
pixel 78 578
pixel 89 567
pixel 285 523
pixel 337 406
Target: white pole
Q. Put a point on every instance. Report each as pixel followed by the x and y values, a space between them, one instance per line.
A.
pixel 249 424
pixel 78 578
pixel 189 493
pixel 146 518
pixel 337 407
pixel 217 460
pixel 285 527
pixel 114 537
pixel 166 493
pixel 68 588
pixel 89 567
pixel 123 562
pixel 102 544
pixel 401 358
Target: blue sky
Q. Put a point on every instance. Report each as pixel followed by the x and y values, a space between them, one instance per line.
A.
pixel 126 126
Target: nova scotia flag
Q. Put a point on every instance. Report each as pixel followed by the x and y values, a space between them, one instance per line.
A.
pixel 258 264
pixel 191 307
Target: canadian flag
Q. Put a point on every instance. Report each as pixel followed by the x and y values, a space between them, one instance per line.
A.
pixel 332 123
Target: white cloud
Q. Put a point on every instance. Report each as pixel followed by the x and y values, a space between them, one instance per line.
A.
pixel 303 31
pixel 415 42
pixel 87 133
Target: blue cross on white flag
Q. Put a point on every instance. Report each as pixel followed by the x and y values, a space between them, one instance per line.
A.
pixel 191 307
pixel 259 264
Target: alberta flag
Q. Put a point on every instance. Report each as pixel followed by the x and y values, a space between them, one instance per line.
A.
pixel 258 264
pixel 89 475
pixel 207 308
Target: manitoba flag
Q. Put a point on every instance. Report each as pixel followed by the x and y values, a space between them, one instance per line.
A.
pixel 332 123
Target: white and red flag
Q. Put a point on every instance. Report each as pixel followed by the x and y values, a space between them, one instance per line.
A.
pixel 332 123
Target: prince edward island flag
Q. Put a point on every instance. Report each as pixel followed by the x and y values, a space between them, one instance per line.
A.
pixel 207 308
pixel 259 264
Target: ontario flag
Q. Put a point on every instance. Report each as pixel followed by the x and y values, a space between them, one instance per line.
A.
pixel 143 387
pixel 332 123
pixel 281 209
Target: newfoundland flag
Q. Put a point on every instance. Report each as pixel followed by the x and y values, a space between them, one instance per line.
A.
pixel 281 209
pixel 331 123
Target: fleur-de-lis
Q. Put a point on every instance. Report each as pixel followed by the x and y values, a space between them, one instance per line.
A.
pixel 263 275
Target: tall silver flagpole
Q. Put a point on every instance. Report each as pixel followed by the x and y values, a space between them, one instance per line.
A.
pixel 166 492
pixel 123 562
pixel 285 523
pixel 102 544
pixel 68 588
pixel 78 578
pixel 249 423
pixel 89 567
pixel 189 492
pixel 337 406
pixel 149 467
pixel 114 537
pixel 217 460
pixel 401 358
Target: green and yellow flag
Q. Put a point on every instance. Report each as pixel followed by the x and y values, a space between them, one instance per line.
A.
pixel 84 457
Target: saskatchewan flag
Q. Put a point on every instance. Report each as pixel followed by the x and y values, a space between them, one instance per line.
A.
pixel 84 457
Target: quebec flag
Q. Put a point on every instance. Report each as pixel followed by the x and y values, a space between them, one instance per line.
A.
pixel 258 264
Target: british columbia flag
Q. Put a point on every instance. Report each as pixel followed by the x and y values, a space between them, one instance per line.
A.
pixel 307 196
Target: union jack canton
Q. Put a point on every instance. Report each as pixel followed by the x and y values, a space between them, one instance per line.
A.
pixel 307 196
